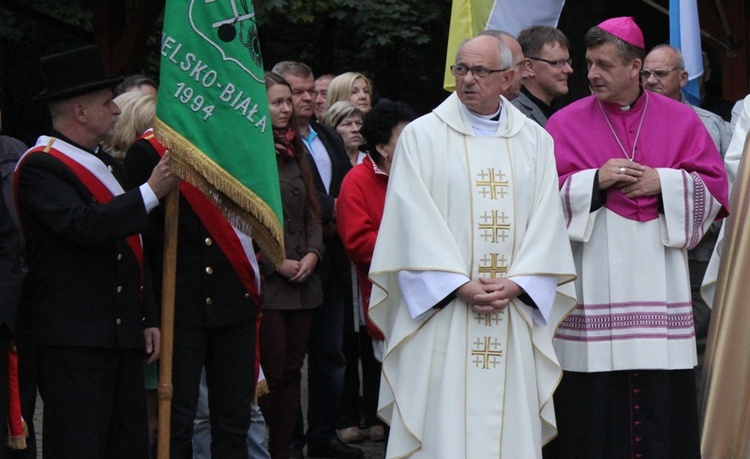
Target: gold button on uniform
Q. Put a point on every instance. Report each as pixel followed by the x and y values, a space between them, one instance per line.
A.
pixel 209 270
pixel 208 301
pixel 247 295
pixel 209 241
pixel 119 256
pixel 119 288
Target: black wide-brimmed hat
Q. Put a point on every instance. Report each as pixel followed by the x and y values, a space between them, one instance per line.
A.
pixel 72 73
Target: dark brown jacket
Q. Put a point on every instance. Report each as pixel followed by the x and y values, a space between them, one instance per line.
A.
pixel 301 236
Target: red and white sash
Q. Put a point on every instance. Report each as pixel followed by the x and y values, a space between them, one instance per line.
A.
pixel 236 245
pixel 93 173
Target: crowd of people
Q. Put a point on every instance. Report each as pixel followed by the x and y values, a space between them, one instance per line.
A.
pixel 501 277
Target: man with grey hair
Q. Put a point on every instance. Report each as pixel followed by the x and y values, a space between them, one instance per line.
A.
pixel 466 268
pixel 664 73
pixel 94 316
pixel 326 362
pixel 517 66
pixel 548 66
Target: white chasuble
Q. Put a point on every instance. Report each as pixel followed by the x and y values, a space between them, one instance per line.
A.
pixel 457 384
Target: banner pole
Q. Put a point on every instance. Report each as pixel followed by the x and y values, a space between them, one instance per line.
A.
pixel 171 208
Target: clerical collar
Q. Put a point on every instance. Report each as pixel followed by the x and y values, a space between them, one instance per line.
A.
pixel 493 117
pixel 483 125
pixel 629 106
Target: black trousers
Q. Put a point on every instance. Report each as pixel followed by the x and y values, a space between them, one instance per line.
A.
pixel 94 403
pixel 358 349
pixel 228 354
pixel 326 362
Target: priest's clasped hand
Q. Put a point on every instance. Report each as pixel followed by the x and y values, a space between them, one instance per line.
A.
pixel 489 296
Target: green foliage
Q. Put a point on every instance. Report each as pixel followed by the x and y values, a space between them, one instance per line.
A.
pixel 9 28
pixel 393 41
pixel 23 40
pixel 399 44
pixel 377 24
pixel 13 27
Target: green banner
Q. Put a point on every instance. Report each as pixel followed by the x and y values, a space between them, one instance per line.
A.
pixel 212 114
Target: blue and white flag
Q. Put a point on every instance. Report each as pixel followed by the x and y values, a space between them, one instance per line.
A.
pixel 685 35
pixel 513 16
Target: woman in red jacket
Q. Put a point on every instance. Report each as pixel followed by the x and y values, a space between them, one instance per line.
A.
pixel 360 209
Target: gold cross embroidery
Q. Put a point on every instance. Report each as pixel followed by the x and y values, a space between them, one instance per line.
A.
pixel 490 265
pixel 486 353
pixel 492 183
pixel 492 226
pixel 488 319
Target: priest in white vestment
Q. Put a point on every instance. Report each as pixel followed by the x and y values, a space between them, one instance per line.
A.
pixel 471 274
pixel 732 163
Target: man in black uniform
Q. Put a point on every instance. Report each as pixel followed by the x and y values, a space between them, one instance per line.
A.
pixel 86 279
pixel 216 303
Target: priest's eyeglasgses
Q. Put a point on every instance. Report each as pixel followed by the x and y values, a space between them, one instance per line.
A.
pixel 460 70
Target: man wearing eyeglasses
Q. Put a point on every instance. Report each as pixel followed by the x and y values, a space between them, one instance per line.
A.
pixel 640 183
pixel 548 66
pixel 664 73
pixel 466 268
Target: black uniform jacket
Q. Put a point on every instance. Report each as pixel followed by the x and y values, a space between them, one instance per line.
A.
pixel 84 282
pixel 208 291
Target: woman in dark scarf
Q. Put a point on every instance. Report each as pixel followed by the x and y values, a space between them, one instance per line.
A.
pixel 294 289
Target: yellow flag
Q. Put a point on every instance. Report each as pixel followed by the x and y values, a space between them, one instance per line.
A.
pixel 468 19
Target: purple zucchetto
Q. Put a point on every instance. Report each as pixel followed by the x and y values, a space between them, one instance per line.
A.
pixel 625 29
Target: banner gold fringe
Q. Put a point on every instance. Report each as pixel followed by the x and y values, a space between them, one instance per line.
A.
pixel 261 389
pixel 19 442
pixel 241 206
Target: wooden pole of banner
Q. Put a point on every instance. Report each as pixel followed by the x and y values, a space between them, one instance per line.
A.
pixel 171 208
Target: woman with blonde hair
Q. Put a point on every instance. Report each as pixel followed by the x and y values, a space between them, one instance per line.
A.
pixel 137 110
pixel 352 87
pixel 137 115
